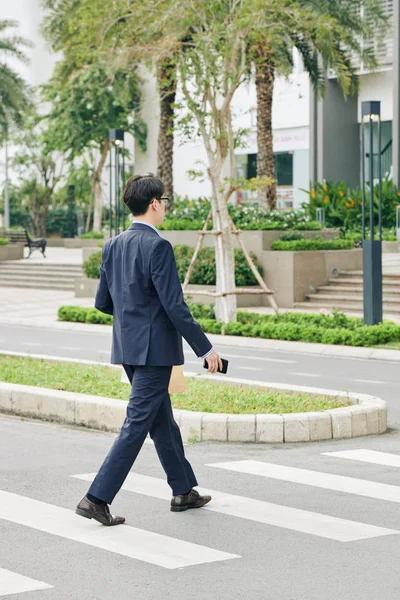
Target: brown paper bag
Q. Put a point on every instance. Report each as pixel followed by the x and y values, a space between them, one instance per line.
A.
pixel 177 383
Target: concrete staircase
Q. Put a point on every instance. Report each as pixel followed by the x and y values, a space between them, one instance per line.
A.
pixel 345 293
pixel 39 275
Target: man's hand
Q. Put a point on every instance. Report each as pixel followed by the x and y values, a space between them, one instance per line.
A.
pixel 214 362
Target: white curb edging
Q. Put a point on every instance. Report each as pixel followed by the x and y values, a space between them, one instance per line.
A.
pixel 366 416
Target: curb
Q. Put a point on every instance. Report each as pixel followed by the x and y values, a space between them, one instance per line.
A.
pixel 366 416
pixel 238 342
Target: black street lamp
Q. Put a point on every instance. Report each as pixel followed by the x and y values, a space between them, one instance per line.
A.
pixel 116 137
pixel 372 249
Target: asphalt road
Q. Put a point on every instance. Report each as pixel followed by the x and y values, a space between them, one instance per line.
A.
pixel 374 377
pixel 320 540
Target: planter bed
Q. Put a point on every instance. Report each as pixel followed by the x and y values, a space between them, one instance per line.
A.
pixel 360 414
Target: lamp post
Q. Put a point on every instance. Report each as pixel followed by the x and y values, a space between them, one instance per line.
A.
pixel 116 137
pixel 6 190
pixel 372 249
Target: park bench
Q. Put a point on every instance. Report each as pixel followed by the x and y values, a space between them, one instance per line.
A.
pixel 23 237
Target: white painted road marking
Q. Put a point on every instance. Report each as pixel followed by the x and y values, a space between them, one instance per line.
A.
pixel 249 368
pixel 276 515
pixel 13 583
pixel 374 381
pixel 251 357
pixel 146 546
pixel 368 456
pixel 305 374
pixel 30 344
pixel 327 481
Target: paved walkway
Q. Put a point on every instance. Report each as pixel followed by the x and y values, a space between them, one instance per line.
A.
pixel 63 256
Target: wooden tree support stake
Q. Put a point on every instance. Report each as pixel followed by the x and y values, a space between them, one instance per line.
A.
pixel 237 291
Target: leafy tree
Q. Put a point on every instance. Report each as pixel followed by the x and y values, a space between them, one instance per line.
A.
pixel 329 34
pixel 14 93
pixel 85 106
pixel 39 172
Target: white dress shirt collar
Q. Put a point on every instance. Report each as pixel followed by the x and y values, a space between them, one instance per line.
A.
pixel 148 224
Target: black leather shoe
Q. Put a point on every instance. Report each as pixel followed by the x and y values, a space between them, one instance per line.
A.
pixel 190 500
pixel 98 512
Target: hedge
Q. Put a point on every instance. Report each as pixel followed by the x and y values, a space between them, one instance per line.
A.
pixel 79 314
pixel 92 235
pixel 3 242
pixel 91 266
pixel 317 244
pixel 335 328
pixel 204 271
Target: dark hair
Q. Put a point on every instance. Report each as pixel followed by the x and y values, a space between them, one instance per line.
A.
pixel 139 192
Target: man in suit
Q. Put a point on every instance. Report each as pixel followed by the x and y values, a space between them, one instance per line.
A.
pixel 139 286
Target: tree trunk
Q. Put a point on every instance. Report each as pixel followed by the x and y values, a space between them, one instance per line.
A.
pixel 165 151
pixel 225 311
pixel 96 188
pixel 265 75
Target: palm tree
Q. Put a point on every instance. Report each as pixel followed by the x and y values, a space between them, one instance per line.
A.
pixel 165 152
pixel 330 37
pixel 14 93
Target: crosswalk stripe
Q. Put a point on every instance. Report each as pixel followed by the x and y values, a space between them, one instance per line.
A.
pixel 368 456
pixel 328 481
pixel 128 541
pixel 276 515
pixel 14 583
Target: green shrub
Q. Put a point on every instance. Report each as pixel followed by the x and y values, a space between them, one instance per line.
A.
pixel 91 266
pixel 200 311
pixel 92 235
pixel 79 314
pixel 3 242
pixel 76 314
pixel 335 328
pixel 191 214
pixel 291 236
pixel 342 205
pixel 183 224
pixel 204 270
pixel 317 244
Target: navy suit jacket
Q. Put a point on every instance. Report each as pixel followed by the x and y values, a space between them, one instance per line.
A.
pixel 140 287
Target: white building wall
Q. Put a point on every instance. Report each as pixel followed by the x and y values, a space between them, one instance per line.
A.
pixel 377 86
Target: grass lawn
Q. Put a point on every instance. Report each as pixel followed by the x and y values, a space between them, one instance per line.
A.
pixel 203 396
pixel 390 346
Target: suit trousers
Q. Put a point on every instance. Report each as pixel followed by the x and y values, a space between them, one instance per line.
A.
pixel 149 411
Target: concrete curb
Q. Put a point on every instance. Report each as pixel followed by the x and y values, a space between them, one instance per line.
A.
pixel 236 341
pixel 366 416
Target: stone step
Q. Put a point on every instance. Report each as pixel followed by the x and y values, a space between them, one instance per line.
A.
pixel 358 274
pixel 346 298
pixel 28 268
pixel 338 290
pixel 65 287
pixel 356 281
pixel 356 307
pixel 39 279
pixel 40 273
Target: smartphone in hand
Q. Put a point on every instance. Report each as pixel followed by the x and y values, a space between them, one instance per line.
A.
pixel 224 365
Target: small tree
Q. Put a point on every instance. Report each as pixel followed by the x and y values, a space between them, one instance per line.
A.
pixel 92 100
pixel 39 173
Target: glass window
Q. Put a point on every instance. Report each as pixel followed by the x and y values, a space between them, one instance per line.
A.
pixel 284 168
